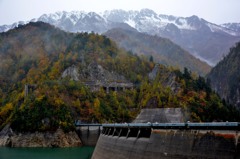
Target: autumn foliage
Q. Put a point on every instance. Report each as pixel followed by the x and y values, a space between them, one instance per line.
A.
pixel 38 54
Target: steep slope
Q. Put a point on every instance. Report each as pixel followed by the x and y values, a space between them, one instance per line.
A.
pixel 225 77
pixel 201 38
pixel 162 50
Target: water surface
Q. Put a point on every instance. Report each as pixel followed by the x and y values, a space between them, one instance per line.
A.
pixel 84 152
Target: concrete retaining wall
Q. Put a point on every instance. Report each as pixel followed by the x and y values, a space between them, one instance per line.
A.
pixel 161 115
pixel 165 144
pixel 89 135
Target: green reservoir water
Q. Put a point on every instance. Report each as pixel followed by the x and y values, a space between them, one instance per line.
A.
pixel 46 153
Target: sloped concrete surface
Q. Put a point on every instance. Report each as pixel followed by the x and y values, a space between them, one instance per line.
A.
pixel 169 144
pixel 161 115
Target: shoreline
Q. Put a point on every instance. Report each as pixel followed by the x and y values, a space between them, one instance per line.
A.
pixel 9 138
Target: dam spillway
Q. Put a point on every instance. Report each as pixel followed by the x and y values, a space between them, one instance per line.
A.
pixel 168 140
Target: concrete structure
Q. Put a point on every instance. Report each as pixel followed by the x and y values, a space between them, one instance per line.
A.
pixel 88 133
pixel 169 140
pixel 28 88
pixel 108 86
pixel 161 115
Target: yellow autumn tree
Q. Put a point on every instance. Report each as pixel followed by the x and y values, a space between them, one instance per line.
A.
pixel 5 112
pixel 57 67
pixel 96 107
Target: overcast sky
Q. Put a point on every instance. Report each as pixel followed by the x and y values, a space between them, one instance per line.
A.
pixel 216 11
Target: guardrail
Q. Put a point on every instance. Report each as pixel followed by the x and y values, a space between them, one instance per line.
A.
pixel 77 124
pixel 144 129
pixel 187 125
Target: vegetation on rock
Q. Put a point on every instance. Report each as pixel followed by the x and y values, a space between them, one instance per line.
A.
pixel 158 49
pixel 225 77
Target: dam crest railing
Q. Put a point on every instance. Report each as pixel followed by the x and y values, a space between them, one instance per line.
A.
pixel 144 129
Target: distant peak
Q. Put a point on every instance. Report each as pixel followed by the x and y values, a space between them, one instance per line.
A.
pixel 147 12
pixel 194 17
pixel 93 14
pixel 114 11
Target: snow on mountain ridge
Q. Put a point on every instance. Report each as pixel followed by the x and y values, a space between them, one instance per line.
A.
pixel 232 26
pixel 131 23
pixel 216 28
pixel 143 19
pixel 55 18
pixel 182 23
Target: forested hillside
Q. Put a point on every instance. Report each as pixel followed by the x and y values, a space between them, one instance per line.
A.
pixel 161 50
pixel 225 77
pixel 38 54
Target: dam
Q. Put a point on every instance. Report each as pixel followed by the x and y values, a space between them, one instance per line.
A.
pixel 168 140
pixel 166 134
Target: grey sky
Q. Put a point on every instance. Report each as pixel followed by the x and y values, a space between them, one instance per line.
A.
pixel 216 11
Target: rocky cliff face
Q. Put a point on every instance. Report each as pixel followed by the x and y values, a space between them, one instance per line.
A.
pixel 92 72
pixel 39 139
pixel 225 77
pixel 167 78
pixel 71 72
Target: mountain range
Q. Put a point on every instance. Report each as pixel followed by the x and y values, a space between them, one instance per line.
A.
pixel 205 40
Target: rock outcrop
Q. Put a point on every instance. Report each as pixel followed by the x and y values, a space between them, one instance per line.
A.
pixel 71 72
pixel 95 77
pixel 39 139
pixel 95 72
pixel 5 135
pixel 92 72
pixel 167 77
pixel 225 78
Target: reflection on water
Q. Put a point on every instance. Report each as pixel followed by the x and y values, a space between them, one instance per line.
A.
pixel 46 153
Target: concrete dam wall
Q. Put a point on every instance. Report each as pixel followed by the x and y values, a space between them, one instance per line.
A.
pixel 89 134
pixel 166 134
pixel 168 143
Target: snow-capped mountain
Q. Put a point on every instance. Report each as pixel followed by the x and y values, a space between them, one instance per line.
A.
pixel 5 28
pixel 232 26
pixel 203 39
